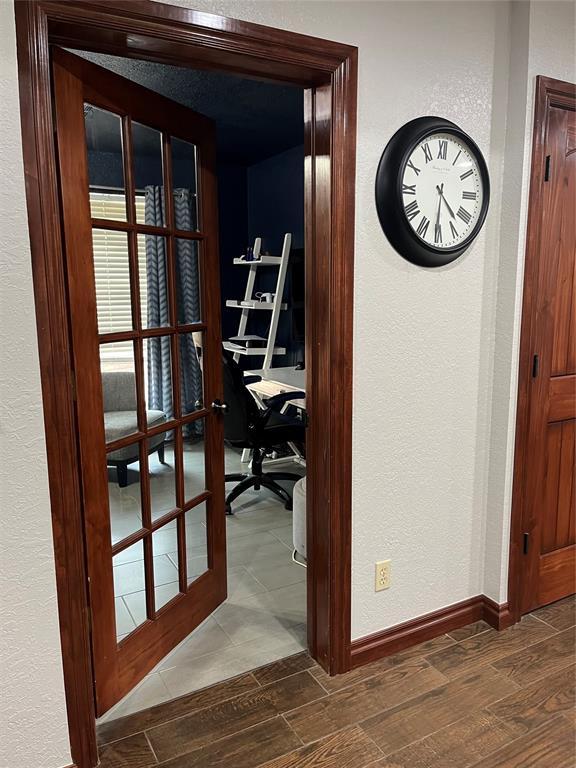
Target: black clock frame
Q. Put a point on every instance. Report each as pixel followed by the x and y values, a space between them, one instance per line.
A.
pixel 389 199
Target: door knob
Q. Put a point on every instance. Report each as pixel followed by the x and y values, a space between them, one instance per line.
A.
pixel 220 407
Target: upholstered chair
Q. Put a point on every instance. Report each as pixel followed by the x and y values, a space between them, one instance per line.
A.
pixel 120 420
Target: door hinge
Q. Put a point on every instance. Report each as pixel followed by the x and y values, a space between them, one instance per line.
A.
pixel 525 543
pixel 535 366
pixel 547 169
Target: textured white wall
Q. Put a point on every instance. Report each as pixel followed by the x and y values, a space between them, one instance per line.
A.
pixel 424 340
pixel 434 387
pixel 552 40
pixel 33 727
pixel 502 421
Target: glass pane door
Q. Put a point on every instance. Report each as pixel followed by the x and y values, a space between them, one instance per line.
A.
pixel 145 317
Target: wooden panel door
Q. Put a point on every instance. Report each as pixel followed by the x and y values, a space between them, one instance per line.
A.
pixel 140 221
pixel 550 493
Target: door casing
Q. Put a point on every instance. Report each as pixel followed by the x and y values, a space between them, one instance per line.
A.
pixel 549 93
pixel 328 71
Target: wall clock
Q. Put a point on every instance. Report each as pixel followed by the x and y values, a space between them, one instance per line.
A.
pixel 432 191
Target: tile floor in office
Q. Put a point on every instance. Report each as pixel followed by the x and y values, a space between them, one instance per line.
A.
pixel 472 698
pixel 264 617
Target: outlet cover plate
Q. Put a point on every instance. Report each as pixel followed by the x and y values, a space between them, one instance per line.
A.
pixel 383 574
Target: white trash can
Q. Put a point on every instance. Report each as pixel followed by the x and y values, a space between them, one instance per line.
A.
pixel 299 517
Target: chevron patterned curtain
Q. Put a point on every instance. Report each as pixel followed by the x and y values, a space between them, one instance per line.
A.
pixel 188 306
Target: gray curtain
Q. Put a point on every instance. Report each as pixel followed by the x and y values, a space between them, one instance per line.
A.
pixel 187 306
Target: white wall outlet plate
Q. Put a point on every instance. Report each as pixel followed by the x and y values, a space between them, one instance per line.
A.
pixel 383 569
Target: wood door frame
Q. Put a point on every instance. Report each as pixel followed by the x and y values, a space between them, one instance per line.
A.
pixel 328 70
pixel 549 93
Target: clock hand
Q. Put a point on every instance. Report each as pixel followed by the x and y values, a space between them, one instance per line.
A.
pixel 437 225
pixel 446 201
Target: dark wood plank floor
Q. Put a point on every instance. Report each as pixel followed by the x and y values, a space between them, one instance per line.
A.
pixel 476 697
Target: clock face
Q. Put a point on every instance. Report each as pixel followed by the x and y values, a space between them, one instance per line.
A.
pixel 442 190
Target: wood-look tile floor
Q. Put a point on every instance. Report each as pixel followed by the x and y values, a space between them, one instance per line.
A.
pixel 474 697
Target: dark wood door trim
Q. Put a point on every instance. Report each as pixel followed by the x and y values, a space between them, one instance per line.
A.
pixel 328 70
pixel 549 92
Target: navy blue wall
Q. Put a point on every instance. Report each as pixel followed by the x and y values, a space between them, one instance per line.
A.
pixel 105 170
pixel 276 200
pixel 233 239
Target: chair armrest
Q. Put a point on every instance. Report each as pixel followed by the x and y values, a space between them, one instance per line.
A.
pixel 252 379
pixel 274 403
pixel 285 397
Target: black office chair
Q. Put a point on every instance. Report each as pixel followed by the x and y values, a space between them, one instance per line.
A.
pixel 248 426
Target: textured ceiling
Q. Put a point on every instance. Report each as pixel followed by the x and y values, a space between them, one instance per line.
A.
pixel 254 119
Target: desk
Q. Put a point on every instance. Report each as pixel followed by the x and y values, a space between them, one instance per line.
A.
pixel 276 381
pixel 290 378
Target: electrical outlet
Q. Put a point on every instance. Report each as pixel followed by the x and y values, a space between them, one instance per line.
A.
pixel 383 569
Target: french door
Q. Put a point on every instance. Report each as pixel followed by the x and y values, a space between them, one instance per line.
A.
pixel 138 191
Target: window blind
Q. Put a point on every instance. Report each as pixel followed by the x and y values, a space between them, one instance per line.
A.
pixel 112 276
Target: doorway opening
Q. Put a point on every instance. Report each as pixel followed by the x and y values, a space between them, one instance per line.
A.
pixel 327 73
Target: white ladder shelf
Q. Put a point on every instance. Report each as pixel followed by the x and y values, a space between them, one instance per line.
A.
pixel 251 303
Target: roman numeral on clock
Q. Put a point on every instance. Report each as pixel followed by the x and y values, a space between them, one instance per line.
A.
pixel 453 230
pixel 457 156
pixel 442 149
pixel 464 215
pixel 408 189
pixel 411 165
pixel 423 226
pixel 412 210
pixel 468 195
pixel 427 153
pixel 466 174
pixel 438 234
